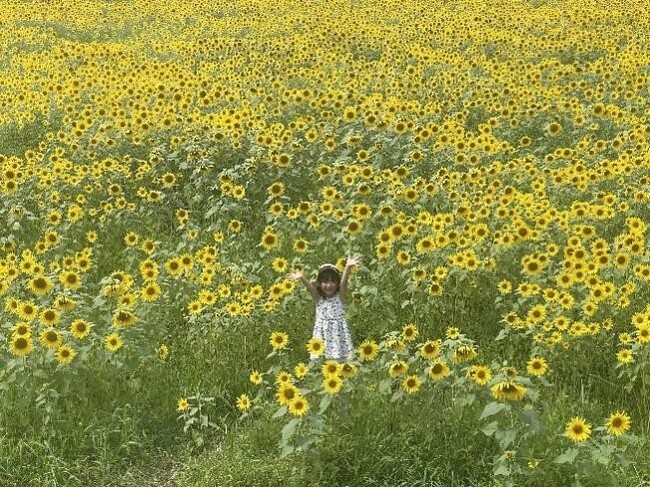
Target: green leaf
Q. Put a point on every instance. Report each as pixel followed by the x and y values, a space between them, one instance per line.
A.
pixel 501 469
pixel 531 418
pixel 505 437
pixel 464 400
pixel 324 403
pixel 603 454
pixel 567 457
pixel 490 428
pixel 279 413
pixel 286 450
pixel 384 386
pixel 503 333
pixel 290 429
pixel 491 409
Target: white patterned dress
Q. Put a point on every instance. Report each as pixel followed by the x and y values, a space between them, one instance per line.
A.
pixel 332 327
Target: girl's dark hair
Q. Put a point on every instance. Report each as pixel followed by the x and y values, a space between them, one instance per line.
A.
pixel 327 273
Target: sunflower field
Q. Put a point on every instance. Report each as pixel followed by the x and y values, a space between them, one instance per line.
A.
pixel 165 166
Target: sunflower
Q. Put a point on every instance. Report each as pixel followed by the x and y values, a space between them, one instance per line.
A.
pixel 508 390
pixel 182 404
pixel 279 340
pixel 173 267
pixel 255 377
pixel 624 356
pixel 349 370
pixel 151 292
pixel 438 370
pixel 27 311
pixel 65 354
pixel 481 375
pixel 368 350
pixel 431 349
pixel 40 285
pixel 123 319
pixel 163 352
pixel 243 402
pixel 618 423
pixel 283 378
pixel 537 366
pixel 21 345
pixel 301 370
pixel 287 393
pixel 332 384
pixel 397 368
pixel 21 329
pixel 113 342
pixel 412 384
pixel 269 240
pixel 64 303
pixel 50 317
pixel 315 346
pixel 80 328
pixel 578 430
pixel 50 338
pixel 409 332
pixel 70 280
pixel 331 368
pixel 464 353
pixel 299 406
pixel 279 265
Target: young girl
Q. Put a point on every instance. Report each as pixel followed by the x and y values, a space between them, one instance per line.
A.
pixel 328 291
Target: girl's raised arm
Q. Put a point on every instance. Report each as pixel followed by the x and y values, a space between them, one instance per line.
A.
pixel 297 275
pixel 346 275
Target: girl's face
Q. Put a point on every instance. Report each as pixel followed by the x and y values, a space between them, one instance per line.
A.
pixel 329 286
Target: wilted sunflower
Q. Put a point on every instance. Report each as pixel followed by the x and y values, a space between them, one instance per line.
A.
pixel 123 319
pixel 464 353
pixel 508 390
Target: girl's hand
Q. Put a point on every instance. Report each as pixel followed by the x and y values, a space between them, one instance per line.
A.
pixel 352 261
pixel 296 275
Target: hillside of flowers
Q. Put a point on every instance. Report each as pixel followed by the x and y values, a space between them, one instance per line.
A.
pixel 165 167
